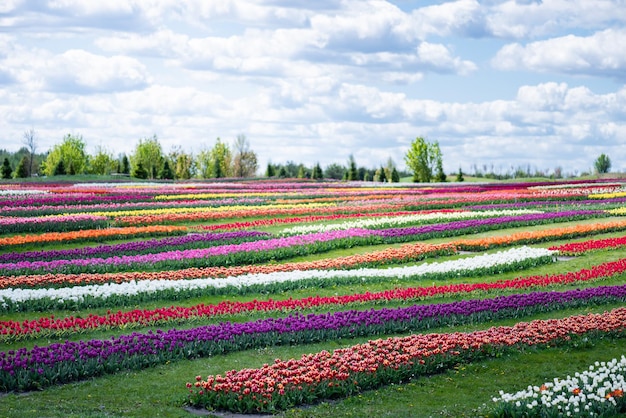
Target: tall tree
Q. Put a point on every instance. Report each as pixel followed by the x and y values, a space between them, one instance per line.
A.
pixel 102 162
pixel 216 162
pixel 245 160
pixel 30 140
pixel 603 164
pixel 317 172
pixel 270 171
pixel 7 170
pixel 423 158
pixel 125 165
pixel 71 152
pixel 149 153
pixel 22 168
pixel 334 171
pixel 166 172
pixel 353 172
pixel 183 164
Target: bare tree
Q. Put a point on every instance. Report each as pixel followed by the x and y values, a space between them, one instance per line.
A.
pixel 30 140
pixel 245 161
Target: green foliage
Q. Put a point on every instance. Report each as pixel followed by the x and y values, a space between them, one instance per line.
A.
pixel 334 171
pixel 282 172
pixel 317 172
pixel 166 172
pixel 352 173
pixel 22 168
pixel 149 153
pixel 216 162
pixel 423 158
pixel 459 176
pixel 125 165
pixel 183 164
pixel 603 164
pixel 270 171
pixel 102 162
pixel 7 170
pixel 72 152
pixel 140 172
pixel 59 169
pixel 302 172
pixel 395 176
pixel 380 175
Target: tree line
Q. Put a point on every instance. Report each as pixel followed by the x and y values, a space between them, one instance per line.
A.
pixel 424 161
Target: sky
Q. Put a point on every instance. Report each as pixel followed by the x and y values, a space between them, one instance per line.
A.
pixel 498 84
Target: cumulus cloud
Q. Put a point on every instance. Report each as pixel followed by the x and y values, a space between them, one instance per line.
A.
pixel 601 54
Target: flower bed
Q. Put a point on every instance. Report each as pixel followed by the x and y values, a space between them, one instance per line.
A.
pixel 598 391
pixel 348 371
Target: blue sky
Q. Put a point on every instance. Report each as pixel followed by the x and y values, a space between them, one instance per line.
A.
pixel 500 84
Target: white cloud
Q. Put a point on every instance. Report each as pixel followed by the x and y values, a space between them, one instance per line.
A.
pixel 601 54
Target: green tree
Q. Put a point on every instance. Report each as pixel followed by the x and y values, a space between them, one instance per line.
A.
pixel 301 172
pixel 334 171
pixel 459 176
pixel 7 170
pixel 125 165
pixel 380 175
pixel 395 176
pixel 270 171
pixel 423 158
pixel 317 172
pixel 140 172
pixel 149 153
pixel 353 172
pixel 72 152
pixel 603 164
pixel 183 164
pixel 102 162
pixel 22 168
pixel 282 172
pixel 166 172
pixel 59 169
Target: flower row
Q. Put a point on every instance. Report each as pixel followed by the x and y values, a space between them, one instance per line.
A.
pixel 324 375
pixel 16 299
pixel 405 253
pixel 598 391
pixel 139 247
pixel 62 362
pixel 574 248
pixel 388 222
pixel 93 234
pixel 51 223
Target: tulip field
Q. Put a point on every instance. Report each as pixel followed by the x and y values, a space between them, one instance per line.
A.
pixel 313 299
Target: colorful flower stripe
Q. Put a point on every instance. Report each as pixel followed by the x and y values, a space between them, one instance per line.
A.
pixel 92 234
pixel 598 391
pixel 313 218
pixel 259 212
pixel 314 207
pixel 407 252
pixel 100 207
pixel 57 327
pixel 99 295
pixel 608 195
pixel 618 212
pixel 199 239
pixel 528 237
pixel 62 362
pixel 131 261
pixel 315 377
pixel 56 223
pixel 387 221
pixel 574 248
